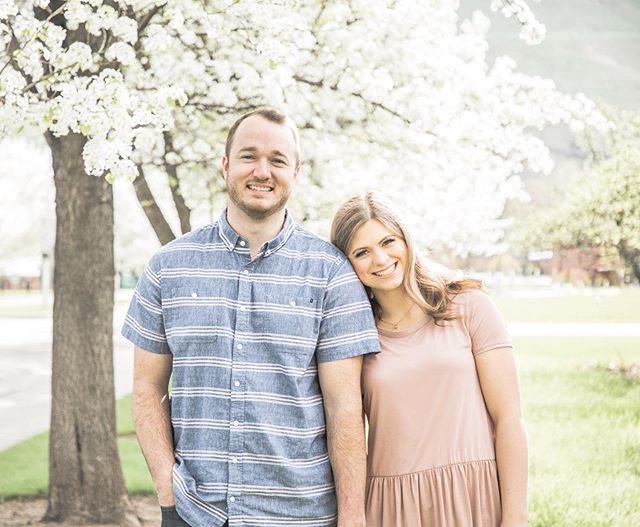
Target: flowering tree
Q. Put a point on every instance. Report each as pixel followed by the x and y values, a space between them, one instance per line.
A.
pixel 418 108
pixel 395 96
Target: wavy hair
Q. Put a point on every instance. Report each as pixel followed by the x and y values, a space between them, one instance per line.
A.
pixel 432 291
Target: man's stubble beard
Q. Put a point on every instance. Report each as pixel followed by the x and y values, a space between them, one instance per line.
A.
pixel 254 212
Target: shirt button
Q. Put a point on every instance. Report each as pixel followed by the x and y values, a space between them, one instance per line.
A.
pixel 232 499
pixel 239 346
pixel 292 303
pixel 194 295
pixel 234 460
pixel 236 423
pixel 236 383
pixel 242 243
pixel 245 272
pixel 242 308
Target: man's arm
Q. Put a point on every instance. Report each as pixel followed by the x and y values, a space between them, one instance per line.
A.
pixel 340 384
pixel 151 415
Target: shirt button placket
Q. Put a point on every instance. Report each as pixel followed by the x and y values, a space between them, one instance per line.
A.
pixel 238 387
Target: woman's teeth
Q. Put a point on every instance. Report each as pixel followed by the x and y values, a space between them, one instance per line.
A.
pixel 386 271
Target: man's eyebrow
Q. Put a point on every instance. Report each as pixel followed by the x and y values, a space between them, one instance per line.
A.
pixel 248 149
pixel 253 149
pixel 278 153
pixel 381 240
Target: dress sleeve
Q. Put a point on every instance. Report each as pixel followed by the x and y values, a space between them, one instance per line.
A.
pixel 347 328
pixel 484 323
pixel 144 323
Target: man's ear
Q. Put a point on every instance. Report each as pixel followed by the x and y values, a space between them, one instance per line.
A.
pixel 225 166
pixel 296 173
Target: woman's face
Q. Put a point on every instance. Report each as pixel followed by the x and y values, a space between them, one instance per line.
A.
pixel 379 256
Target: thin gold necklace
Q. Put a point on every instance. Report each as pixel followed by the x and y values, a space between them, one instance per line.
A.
pixel 396 324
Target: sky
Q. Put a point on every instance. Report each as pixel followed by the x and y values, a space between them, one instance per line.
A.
pixel 592 46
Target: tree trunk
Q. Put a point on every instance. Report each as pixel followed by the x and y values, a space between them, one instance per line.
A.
pixel 631 256
pixel 85 476
pixel 184 212
pixel 151 209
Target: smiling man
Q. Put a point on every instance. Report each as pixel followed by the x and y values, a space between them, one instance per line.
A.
pixel 261 327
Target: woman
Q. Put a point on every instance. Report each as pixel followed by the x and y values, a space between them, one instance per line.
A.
pixel 447 445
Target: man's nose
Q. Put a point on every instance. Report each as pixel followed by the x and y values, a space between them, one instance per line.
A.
pixel 261 168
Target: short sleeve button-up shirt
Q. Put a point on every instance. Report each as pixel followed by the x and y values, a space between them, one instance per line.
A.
pixel 246 337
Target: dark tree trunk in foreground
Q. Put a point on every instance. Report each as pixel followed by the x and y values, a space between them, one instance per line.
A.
pixel 85 477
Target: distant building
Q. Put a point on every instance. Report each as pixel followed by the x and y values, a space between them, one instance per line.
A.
pixel 20 273
pixel 581 265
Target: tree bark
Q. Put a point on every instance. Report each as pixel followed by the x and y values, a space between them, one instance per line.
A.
pixel 85 477
pixel 632 257
pixel 184 212
pixel 151 209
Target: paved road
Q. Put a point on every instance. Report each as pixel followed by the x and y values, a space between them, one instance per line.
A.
pixel 25 366
pixel 25 375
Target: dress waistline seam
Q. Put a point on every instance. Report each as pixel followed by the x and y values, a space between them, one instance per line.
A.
pixel 433 468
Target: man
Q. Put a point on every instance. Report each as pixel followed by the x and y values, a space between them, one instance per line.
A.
pixel 258 322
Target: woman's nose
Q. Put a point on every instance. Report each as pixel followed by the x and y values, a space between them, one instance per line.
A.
pixel 379 256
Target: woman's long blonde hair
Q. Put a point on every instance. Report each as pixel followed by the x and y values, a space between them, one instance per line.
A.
pixel 433 292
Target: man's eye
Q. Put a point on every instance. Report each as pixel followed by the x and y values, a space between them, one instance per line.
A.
pixel 278 161
pixel 246 156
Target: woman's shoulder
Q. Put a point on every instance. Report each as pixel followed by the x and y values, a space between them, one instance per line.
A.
pixel 471 296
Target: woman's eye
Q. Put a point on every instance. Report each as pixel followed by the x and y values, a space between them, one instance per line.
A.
pixel 360 253
pixel 388 241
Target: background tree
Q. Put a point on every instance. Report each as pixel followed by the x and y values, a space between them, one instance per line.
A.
pixel 604 209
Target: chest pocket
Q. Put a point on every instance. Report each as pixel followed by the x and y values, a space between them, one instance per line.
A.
pixel 196 315
pixel 288 323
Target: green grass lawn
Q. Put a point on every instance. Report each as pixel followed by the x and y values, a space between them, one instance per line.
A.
pixel 583 424
pixel 594 306
pixel 584 431
pixel 27 465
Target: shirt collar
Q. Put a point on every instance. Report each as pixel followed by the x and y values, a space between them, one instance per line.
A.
pixel 233 241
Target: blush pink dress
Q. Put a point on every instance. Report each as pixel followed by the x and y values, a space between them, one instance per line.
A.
pixel 431 457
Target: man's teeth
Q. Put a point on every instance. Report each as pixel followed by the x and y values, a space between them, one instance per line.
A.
pixel 386 271
pixel 260 188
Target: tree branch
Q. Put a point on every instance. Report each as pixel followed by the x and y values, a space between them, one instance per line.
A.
pixel 151 209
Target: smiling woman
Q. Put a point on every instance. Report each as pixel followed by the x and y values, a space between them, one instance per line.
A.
pixel 447 444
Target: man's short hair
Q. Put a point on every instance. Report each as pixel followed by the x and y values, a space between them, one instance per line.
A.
pixel 270 114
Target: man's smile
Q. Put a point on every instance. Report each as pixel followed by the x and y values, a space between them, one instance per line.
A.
pixel 259 188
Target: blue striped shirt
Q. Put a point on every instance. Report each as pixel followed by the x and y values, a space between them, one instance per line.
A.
pixel 246 337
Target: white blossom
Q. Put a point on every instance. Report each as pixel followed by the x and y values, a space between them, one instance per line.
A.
pixel 126 29
pixel 8 8
pixel 76 12
pixel 121 52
